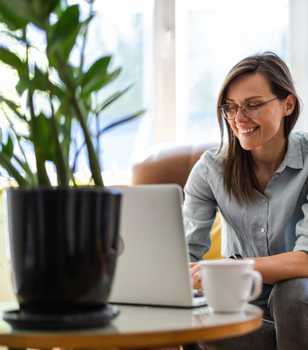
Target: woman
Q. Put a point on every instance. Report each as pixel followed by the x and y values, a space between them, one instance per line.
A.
pixel 259 183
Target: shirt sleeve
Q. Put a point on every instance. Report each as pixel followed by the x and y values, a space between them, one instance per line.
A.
pixel 301 230
pixel 199 210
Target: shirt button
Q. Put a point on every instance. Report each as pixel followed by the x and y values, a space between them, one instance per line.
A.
pixel 262 230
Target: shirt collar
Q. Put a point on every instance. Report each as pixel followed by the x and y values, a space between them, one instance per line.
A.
pixel 294 157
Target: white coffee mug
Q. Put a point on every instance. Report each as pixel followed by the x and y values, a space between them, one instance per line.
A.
pixel 229 284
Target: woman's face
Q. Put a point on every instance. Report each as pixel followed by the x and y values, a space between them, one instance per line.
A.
pixel 264 124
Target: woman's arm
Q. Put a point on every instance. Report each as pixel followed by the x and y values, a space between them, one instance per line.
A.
pixel 282 266
pixel 274 268
pixel 199 210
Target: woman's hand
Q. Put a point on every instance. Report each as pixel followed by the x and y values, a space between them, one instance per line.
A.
pixel 195 276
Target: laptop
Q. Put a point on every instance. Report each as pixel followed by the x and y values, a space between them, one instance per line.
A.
pixel 153 264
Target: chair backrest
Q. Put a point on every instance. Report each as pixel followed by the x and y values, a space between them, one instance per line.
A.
pixel 169 165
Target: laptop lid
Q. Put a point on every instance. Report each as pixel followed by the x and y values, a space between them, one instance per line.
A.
pixel 153 264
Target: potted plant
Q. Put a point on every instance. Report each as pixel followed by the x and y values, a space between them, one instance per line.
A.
pixel 63 237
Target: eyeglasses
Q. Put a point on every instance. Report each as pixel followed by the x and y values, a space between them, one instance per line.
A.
pixel 250 108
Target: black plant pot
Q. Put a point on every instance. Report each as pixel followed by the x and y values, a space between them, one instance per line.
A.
pixel 63 245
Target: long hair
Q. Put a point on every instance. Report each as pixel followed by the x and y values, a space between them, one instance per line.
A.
pixel 240 180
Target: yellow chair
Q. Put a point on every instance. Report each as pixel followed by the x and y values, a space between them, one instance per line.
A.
pixel 173 164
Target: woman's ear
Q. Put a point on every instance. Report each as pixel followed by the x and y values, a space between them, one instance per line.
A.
pixel 289 104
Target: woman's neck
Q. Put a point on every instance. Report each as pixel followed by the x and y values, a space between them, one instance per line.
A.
pixel 268 158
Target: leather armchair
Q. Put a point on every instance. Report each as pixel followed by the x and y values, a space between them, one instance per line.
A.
pixel 173 164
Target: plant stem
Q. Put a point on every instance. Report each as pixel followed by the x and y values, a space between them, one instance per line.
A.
pixel 94 164
pixel 62 170
pixel 40 164
pixel 93 160
pixel 98 127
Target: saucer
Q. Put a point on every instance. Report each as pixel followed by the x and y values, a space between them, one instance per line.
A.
pixel 97 318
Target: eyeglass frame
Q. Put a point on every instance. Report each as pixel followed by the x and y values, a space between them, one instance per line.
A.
pixel 242 107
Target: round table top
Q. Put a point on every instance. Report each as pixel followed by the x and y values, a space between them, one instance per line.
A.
pixel 140 326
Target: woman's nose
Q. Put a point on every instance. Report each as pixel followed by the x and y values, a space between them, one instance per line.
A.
pixel 240 115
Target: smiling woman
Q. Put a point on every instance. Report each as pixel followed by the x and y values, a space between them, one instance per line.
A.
pixel 270 111
pixel 259 125
pixel 258 181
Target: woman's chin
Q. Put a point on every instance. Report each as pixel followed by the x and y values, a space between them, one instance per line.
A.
pixel 247 145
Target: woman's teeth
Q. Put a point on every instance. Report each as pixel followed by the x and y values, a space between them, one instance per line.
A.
pixel 248 131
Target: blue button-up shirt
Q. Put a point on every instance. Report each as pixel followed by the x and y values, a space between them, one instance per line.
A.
pixel 276 222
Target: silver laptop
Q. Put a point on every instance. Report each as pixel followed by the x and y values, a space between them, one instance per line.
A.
pixel 153 264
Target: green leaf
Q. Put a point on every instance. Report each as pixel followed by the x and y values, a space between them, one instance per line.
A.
pixel 43 8
pixel 10 17
pixel 97 76
pixel 45 134
pixel 121 121
pixel 111 99
pixel 98 67
pixel 63 35
pixel 13 60
pixel 13 107
pixel 19 13
pixel 41 82
pixel 22 86
pixel 8 147
pixel 42 137
pixel 11 104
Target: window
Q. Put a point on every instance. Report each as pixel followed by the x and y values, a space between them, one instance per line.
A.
pixel 218 34
pixel 124 30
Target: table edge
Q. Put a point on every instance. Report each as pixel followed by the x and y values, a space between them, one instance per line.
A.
pixel 136 340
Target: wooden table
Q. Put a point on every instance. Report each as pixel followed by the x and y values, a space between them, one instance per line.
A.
pixel 140 327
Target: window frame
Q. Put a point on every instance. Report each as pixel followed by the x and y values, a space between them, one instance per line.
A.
pixel 169 110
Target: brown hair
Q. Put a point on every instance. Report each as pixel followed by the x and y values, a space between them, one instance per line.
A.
pixel 239 177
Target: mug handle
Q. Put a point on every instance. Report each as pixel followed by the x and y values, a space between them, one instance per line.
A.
pixel 257 283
